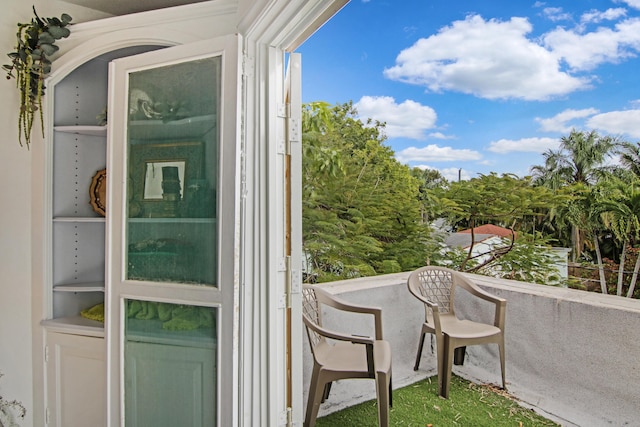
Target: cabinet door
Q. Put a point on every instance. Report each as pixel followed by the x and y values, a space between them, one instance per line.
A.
pixel 76 377
pixel 171 224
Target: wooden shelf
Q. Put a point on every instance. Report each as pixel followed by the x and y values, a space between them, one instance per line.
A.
pixel 80 287
pixel 88 219
pixel 75 325
pixel 192 127
pixel 173 220
pixel 83 130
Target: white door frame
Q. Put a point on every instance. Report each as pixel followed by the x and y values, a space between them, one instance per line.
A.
pixel 270 394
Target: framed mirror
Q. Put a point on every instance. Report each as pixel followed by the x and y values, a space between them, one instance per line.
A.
pixel 159 175
pixel 164 180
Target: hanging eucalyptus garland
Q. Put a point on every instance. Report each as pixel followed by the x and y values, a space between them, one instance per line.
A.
pixel 31 64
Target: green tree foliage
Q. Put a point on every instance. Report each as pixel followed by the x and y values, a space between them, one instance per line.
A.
pixel 529 260
pixel 505 200
pixel 620 211
pixel 580 160
pixel 429 179
pixel 361 211
pixel 630 157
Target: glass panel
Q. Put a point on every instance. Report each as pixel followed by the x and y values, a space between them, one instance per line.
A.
pixel 172 145
pixel 170 364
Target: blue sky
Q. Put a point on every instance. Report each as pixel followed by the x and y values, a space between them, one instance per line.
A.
pixel 481 86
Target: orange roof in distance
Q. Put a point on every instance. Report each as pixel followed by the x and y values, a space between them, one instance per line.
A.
pixel 490 229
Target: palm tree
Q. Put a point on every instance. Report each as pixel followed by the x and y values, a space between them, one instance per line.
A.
pixel 630 157
pixel 584 208
pixel 580 159
pixel 621 214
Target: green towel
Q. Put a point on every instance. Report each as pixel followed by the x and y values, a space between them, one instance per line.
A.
pixel 189 317
pixel 174 317
pixel 94 313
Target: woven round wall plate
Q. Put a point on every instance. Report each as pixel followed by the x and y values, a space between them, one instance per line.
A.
pixel 98 192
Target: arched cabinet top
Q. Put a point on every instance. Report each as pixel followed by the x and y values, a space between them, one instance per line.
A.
pixel 163 27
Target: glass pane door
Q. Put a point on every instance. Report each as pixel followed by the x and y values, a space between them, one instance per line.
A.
pixel 172 172
pixel 170 282
pixel 172 144
pixel 170 364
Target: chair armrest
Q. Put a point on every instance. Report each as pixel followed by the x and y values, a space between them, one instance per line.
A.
pixel 332 301
pixel 328 333
pixel 435 310
pixel 500 303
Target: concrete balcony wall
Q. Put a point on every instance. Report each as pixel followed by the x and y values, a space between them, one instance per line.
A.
pixel 571 355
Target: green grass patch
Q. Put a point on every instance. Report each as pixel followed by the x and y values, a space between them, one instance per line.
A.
pixel 418 405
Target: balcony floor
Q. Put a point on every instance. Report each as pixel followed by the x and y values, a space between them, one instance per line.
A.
pixel 419 405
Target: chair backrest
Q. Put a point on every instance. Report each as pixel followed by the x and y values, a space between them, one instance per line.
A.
pixel 311 315
pixel 436 284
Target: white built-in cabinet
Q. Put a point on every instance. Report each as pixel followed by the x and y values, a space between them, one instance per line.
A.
pixel 76 380
pixel 223 240
pixel 78 229
pixel 136 305
pixel 75 351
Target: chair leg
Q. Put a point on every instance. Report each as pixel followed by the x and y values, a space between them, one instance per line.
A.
pixel 383 390
pixel 440 352
pixel 327 390
pixel 316 393
pixel 390 390
pixel 502 363
pixel 458 356
pixel 446 366
pixel 419 355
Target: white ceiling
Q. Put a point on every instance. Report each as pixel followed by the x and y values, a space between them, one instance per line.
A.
pixel 123 7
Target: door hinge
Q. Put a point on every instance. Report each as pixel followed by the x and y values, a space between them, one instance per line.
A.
pixel 283 147
pixel 293 283
pixel 289 281
pixel 282 264
pixel 294 130
pixel 283 111
pixel 286 417
pixel 46 416
pixel 296 282
pixel 46 353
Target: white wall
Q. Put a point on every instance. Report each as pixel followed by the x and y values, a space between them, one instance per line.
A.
pixel 15 211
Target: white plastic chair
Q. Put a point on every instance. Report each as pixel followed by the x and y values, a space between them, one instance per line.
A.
pixel 340 356
pixel 436 288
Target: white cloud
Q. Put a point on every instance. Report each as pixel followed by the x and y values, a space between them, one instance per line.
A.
pixel 617 122
pixel 491 59
pixel 556 14
pixel 560 122
pixel 596 16
pixel 631 3
pixel 435 153
pixel 440 135
pixel 524 145
pixel 408 119
pixel 586 51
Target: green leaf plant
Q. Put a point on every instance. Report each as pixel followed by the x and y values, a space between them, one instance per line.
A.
pixel 30 65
